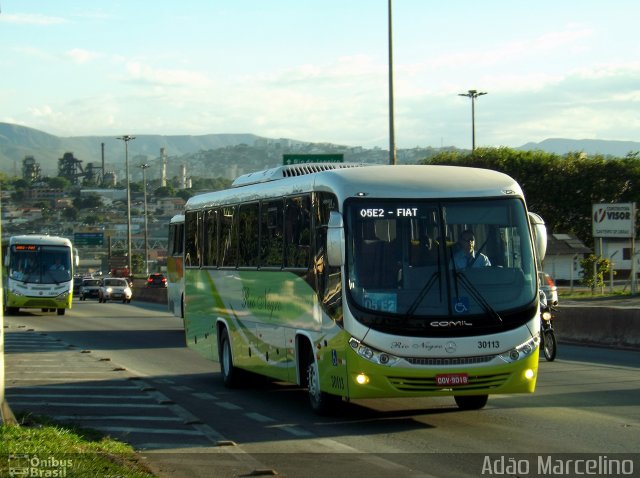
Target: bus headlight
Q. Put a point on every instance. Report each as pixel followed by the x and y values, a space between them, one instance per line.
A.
pixel 64 295
pixel 371 354
pixel 521 351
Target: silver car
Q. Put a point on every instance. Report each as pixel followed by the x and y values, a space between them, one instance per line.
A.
pixel 114 289
pixel 548 286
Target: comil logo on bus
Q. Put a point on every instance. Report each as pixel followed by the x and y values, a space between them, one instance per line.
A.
pixel 613 220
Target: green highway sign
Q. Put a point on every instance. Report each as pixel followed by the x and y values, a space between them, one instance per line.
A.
pixel 88 239
pixel 312 158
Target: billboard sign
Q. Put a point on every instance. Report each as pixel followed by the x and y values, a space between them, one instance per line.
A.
pixel 614 220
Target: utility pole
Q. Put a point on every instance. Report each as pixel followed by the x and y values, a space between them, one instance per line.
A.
pixel 146 240
pixel 473 94
pixel 392 134
pixel 126 138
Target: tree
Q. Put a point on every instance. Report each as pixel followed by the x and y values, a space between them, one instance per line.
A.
pixel 184 194
pixel 561 189
pixel 70 213
pixel 594 271
pixel 90 201
pixel 164 191
pixel 59 183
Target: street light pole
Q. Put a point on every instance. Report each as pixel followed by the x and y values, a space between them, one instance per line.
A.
pixel 146 241
pixel 392 134
pixel 473 94
pixel 126 138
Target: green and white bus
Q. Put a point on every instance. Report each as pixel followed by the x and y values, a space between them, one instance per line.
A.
pixel 38 273
pixel 341 278
pixel 175 266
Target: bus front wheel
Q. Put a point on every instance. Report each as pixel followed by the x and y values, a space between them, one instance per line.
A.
pixel 471 402
pixel 321 402
pixel 61 311
pixel 229 371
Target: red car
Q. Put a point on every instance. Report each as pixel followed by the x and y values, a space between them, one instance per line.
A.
pixel 156 280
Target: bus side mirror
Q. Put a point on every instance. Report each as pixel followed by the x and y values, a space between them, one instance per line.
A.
pixel 335 240
pixel 539 235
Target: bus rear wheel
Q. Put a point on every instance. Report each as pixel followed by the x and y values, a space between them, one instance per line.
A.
pixel 229 371
pixel 471 402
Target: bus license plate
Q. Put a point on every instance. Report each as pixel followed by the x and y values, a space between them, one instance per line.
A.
pixel 452 379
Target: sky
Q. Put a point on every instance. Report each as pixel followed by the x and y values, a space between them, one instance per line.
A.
pixel 318 71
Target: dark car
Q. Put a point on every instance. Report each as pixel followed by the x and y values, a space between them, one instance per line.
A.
pixel 89 288
pixel 156 280
pixel 77 282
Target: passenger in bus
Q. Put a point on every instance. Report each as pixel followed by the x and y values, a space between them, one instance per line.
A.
pixel 425 250
pixel 57 265
pixel 464 254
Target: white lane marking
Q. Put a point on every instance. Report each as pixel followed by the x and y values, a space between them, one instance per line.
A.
pixel 204 396
pixel 119 417
pixel 94 405
pixel 260 418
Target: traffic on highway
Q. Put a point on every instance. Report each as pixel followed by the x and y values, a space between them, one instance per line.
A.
pixel 123 369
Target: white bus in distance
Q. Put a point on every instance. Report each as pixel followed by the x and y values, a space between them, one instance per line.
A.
pixel 38 273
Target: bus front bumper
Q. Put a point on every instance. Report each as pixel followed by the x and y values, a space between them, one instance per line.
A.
pixel 368 380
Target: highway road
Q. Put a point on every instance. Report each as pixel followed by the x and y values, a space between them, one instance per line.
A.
pixel 123 369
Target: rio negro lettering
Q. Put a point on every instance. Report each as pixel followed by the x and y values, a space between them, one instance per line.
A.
pixel 261 302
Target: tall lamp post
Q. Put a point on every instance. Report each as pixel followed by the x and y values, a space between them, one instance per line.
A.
pixel 146 241
pixel 473 94
pixel 126 138
pixel 392 133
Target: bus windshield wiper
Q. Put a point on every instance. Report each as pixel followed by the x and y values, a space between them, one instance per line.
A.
pixel 479 298
pixel 422 294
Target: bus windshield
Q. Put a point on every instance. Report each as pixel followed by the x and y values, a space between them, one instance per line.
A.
pixel 40 264
pixel 467 262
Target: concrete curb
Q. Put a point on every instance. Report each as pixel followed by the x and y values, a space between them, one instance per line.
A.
pixel 155 295
pixel 615 327
pixel 6 415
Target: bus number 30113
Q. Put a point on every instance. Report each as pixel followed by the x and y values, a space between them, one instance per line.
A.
pixel 488 344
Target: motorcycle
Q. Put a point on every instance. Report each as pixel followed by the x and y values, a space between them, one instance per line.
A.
pixel 548 342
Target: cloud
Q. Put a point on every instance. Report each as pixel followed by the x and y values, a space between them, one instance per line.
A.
pixel 80 56
pixel 30 19
pixel 142 73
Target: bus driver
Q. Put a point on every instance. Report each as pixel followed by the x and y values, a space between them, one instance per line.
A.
pixel 464 254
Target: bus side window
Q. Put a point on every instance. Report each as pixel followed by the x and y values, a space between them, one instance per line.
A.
pixel 248 235
pixel 191 233
pixel 211 238
pixel 271 233
pixel 298 231
pixel 228 237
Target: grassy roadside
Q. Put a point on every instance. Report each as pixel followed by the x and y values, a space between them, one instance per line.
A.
pixel 619 291
pixel 41 447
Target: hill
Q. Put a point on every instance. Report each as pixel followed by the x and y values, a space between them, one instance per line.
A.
pixel 16 142
pixel 212 155
pixel 224 154
pixel 618 149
